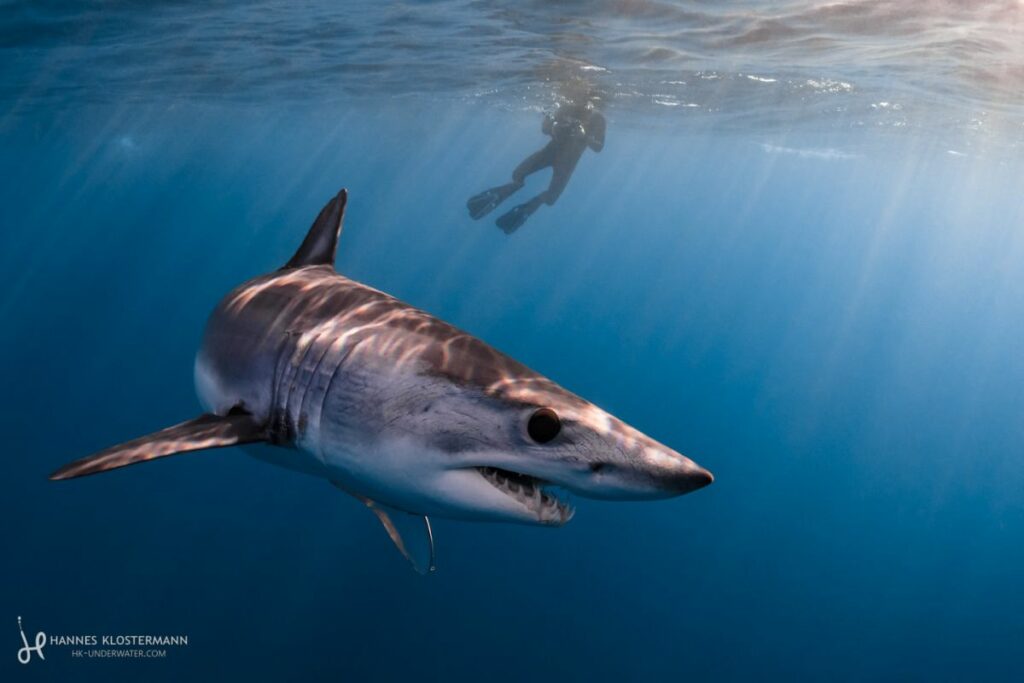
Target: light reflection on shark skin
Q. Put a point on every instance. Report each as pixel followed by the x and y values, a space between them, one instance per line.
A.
pixel 407 413
pixel 329 319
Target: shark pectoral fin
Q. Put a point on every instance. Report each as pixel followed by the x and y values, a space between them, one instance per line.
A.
pixel 411 534
pixel 204 432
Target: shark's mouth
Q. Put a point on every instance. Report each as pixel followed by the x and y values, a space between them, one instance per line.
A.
pixel 536 495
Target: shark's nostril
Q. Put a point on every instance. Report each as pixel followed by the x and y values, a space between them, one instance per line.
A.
pixel 596 467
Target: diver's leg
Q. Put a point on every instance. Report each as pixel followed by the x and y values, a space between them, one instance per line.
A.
pixel 561 172
pixel 482 204
pixel 542 158
pixel 515 217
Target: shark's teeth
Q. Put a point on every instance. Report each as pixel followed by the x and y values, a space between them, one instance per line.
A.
pixel 530 492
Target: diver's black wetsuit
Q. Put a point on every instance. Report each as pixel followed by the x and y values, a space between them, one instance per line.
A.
pixel 572 129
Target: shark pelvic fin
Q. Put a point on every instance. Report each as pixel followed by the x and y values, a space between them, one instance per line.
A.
pixel 204 432
pixel 321 243
pixel 411 534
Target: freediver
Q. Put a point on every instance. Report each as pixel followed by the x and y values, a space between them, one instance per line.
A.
pixel 572 129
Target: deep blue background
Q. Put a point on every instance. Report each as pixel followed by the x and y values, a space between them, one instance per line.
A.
pixel 836 336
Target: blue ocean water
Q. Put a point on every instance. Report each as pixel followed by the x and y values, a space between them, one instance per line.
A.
pixel 811 282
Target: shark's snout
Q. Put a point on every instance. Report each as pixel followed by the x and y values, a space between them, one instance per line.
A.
pixel 650 472
pixel 685 477
pixel 625 464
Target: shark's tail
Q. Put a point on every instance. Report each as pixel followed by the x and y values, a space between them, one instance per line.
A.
pixel 202 433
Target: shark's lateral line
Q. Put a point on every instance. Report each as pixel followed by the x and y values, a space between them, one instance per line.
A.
pixel 401 410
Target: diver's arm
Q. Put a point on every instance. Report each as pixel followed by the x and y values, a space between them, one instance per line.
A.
pixel 595 132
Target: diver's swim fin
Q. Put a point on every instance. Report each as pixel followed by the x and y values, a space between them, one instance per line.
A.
pixel 202 433
pixel 482 204
pixel 515 217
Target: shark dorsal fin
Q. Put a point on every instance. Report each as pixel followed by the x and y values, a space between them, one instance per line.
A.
pixel 321 243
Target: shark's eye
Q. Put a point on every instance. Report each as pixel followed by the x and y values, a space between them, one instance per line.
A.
pixel 544 425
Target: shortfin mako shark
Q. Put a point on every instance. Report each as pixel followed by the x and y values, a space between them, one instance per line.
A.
pixel 402 410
